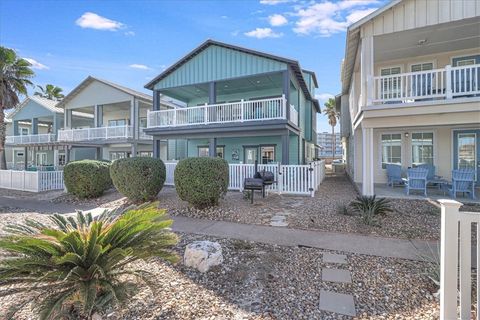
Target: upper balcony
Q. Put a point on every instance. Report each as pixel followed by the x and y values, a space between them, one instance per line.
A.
pixel 29 139
pixel 100 134
pixel 234 112
pixel 437 84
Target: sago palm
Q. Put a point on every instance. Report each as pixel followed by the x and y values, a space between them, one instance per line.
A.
pixel 50 92
pixel 14 79
pixel 332 116
pixel 83 264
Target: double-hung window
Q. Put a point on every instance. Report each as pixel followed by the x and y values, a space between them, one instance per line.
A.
pixel 422 148
pixel 390 83
pixel 391 149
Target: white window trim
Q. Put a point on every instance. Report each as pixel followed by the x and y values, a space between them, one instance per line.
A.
pixel 433 62
pixel 41 154
pixel 402 150
pixel 379 71
pixel 435 145
pixel 464 56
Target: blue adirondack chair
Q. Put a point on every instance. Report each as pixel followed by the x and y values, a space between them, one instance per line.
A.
pixel 416 180
pixel 463 180
pixel 394 174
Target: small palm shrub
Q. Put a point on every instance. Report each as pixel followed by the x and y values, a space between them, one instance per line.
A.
pixel 87 178
pixel 82 265
pixel 371 209
pixel 201 181
pixel 140 179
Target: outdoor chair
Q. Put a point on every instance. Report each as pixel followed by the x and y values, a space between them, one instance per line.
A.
pixel 463 180
pixel 394 174
pixel 416 180
pixel 432 179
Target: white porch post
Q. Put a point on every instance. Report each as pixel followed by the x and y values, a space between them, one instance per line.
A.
pixel 133 120
pixel 367 68
pixel 367 162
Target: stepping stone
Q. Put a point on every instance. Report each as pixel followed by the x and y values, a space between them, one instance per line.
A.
pixel 279 224
pixel 334 258
pixel 337 302
pixel 278 218
pixel 336 275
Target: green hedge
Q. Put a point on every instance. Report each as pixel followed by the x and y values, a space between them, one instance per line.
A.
pixel 201 181
pixel 87 178
pixel 140 179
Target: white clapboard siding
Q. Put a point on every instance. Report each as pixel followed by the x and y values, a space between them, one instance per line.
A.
pixel 456 261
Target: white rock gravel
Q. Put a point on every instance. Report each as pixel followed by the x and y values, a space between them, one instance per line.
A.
pixel 202 255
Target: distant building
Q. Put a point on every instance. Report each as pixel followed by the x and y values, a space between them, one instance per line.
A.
pixel 324 140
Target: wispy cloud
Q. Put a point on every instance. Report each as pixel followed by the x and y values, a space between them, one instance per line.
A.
pixel 261 33
pixel 224 17
pixel 277 20
pixel 139 66
pixel 327 18
pixel 273 2
pixel 36 65
pixel 129 33
pixel 90 20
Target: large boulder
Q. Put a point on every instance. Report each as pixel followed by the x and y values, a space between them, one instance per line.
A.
pixel 202 255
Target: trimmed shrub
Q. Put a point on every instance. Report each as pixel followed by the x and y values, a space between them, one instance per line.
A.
pixel 87 178
pixel 140 179
pixel 201 181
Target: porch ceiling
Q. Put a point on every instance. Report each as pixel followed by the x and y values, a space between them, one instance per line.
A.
pixel 227 87
pixel 460 35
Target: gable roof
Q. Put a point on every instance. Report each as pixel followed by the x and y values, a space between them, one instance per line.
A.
pixel 91 79
pixel 293 64
pixel 48 104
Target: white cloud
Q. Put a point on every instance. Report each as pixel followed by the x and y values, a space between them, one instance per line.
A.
pixel 224 17
pixel 323 97
pixel 235 33
pixel 327 18
pixel 273 2
pixel 129 33
pixel 36 65
pixel 94 21
pixel 139 66
pixel 277 20
pixel 261 33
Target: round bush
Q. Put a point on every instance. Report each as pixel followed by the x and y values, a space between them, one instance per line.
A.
pixel 201 181
pixel 140 179
pixel 87 178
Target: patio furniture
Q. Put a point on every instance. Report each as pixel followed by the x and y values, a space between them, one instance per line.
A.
pixel 259 181
pixel 416 180
pixel 432 178
pixel 463 180
pixel 394 174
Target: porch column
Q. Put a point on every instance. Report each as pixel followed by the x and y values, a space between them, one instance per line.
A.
pixel 367 68
pixel 99 153
pixel 134 149
pixel 212 147
pixel 25 158
pixel 286 148
pixel 156 148
pixel 67 119
pixel 15 128
pixel 367 162
pixel 98 116
pixel 67 154
pixel 55 158
pixel 156 100
pixel 34 125
pixel 286 90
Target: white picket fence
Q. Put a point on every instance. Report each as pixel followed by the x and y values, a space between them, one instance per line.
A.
pixel 289 179
pixel 33 181
pixel 456 261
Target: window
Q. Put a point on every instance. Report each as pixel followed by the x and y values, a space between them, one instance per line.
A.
pixel 20 154
pixel 422 148
pixel 422 67
pixel 390 85
pixel 268 154
pixel 41 159
pixel 23 131
pixel 115 155
pixel 117 122
pixel 422 83
pixel 143 122
pixel 204 151
pixel 61 159
pixel 145 154
pixel 391 149
pixel 465 62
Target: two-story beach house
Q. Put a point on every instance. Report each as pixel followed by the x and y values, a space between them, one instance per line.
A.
pixel 31 138
pixel 117 118
pixel 411 89
pixel 239 104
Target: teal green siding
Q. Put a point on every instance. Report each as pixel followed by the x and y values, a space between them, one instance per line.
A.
pixel 246 95
pixel 294 152
pixel 176 149
pixel 218 63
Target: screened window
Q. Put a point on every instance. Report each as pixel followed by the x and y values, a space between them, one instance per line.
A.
pixel 267 154
pixel 391 149
pixel 117 122
pixel 422 148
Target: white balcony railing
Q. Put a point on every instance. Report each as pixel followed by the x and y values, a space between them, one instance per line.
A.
pixel 242 111
pixel 293 115
pixel 447 83
pixel 31 138
pixel 101 133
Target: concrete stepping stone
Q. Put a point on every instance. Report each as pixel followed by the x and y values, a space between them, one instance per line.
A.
pixel 337 302
pixel 278 221
pixel 334 258
pixel 336 275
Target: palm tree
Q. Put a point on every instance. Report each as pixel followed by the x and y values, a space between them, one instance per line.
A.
pixel 50 92
pixel 15 73
pixel 332 116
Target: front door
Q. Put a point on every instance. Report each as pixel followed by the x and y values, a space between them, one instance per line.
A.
pixel 467 150
pixel 250 155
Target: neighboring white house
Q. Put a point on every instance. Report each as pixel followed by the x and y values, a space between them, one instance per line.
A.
pixel 411 89
pixel 325 141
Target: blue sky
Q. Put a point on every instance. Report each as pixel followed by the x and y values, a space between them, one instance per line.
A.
pixel 130 42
